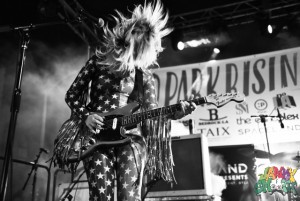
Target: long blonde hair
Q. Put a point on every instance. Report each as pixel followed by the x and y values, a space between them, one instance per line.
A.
pixel 135 41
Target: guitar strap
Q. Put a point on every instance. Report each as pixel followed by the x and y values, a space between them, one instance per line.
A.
pixel 138 91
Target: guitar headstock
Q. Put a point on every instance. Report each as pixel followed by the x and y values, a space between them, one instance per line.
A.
pixel 221 99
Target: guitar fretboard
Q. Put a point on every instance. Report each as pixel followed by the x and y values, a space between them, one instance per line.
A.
pixel 138 117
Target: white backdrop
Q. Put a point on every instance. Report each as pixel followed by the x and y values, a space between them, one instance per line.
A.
pixel 268 81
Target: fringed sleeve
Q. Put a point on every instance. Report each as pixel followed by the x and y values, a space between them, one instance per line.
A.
pixel 65 144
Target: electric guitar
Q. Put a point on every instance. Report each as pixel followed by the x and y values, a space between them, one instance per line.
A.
pixel 111 135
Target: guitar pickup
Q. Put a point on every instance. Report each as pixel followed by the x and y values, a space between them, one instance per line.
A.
pixel 114 125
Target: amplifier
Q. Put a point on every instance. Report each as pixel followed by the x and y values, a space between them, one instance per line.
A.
pixel 192 170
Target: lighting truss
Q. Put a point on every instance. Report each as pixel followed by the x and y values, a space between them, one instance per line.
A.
pixel 75 16
pixel 238 13
pixel 231 14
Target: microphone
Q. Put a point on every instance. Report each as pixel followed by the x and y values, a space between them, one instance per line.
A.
pixel 99 21
pixel 44 150
pixel 280 119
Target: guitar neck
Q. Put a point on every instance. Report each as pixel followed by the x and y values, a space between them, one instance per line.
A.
pixel 149 114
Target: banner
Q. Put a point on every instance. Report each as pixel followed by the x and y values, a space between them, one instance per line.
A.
pixel 235 165
pixel 269 81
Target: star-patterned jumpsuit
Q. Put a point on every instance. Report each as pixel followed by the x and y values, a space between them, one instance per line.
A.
pixel 109 92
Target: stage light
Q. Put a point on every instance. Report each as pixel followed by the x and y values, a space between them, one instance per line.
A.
pixel 177 40
pixel 216 50
pixel 270 29
pixel 197 42
pixel 205 36
pixel 214 53
pixel 263 20
pixel 180 45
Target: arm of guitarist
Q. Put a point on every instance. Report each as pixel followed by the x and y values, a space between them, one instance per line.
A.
pixel 74 94
pixel 151 101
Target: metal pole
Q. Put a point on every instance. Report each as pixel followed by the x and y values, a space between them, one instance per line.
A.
pixel 15 106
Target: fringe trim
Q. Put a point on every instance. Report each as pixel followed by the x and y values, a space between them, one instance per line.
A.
pixel 160 159
pixel 65 144
pixel 156 131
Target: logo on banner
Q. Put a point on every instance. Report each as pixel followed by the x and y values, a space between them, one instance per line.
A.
pixel 235 174
pixel 275 179
pixel 261 104
pixel 284 101
pixel 242 108
pixel 214 119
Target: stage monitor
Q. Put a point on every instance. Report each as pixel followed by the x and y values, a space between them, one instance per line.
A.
pixel 192 169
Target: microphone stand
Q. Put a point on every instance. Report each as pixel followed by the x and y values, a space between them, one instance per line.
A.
pixel 263 120
pixel 15 106
pixel 149 186
pixel 34 168
pixel 68 195
pixel 16 100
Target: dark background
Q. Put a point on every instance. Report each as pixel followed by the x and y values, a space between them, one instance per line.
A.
pixel 236 23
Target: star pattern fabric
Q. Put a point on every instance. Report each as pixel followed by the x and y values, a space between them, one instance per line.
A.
pixel 127 162
pixel 108 91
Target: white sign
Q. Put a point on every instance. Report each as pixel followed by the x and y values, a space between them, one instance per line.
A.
pixel 269 82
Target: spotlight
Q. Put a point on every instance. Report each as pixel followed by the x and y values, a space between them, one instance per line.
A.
pixel 263 19
pixel 212 36
pixel 270 29
pixel 177 40
pixel 216 50
pixel 180 45
pixel 197 42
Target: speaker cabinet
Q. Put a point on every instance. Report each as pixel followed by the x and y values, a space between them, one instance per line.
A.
pixel 192 169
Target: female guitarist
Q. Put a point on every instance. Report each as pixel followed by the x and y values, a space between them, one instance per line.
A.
pixel 130 47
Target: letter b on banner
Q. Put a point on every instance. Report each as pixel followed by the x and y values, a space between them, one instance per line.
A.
pixel 213 114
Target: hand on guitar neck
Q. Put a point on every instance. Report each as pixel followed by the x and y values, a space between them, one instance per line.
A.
pixel 186 109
